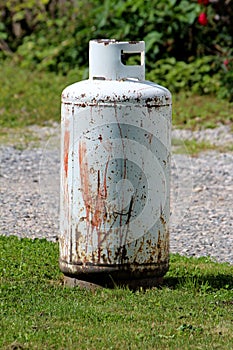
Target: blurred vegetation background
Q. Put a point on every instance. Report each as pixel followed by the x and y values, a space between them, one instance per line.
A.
pixel 189 44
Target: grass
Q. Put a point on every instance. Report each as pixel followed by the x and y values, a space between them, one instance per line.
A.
pixel 20 137
pixel 34 98
pixel 192 310
pixel 29 98
pixel 192 147
pixel 200 112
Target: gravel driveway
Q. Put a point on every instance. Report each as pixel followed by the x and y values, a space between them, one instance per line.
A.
pixel 201 195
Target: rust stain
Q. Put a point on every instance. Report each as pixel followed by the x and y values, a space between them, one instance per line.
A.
pixel 66 150
pixel 150 137
pixel 84 171
pixel 162 220
pixel 65 188
pixel 99 207
pixel 95 205
pixel 159 246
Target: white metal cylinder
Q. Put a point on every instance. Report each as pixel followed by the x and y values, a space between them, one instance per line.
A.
pixel 115 172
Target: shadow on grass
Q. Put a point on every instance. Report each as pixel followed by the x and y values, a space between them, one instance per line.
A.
pixel 211 281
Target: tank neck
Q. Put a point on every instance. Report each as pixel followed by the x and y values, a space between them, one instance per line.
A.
pixel 106 56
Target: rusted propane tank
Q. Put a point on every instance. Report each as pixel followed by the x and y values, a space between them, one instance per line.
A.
pixel 115 172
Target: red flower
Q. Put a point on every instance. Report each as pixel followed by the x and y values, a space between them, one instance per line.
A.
pixel 202 19
pixel 226 62
pixel 204 2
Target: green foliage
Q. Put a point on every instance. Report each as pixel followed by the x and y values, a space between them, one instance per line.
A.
pixel 204 75
pixel 227 86
pixel 50 34
pixel 53 35
pixel 169 28
pixel 226 89
pixel 193 309
pixel 164 25
pixel 200 76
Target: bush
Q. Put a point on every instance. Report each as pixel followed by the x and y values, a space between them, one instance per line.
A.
pixel 200 76
pixel 226 89
pixel 53 35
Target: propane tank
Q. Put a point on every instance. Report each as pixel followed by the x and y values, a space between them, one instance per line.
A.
pixel 115 172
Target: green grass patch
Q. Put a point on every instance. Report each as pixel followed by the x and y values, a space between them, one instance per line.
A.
pixel 33 97
pixel 192 310
pixel 21 138
pixel 193 148
pixel 29 98
pixel 200 112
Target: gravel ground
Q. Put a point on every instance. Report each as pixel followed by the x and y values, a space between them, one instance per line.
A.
pixel 219 136
pixel 201 194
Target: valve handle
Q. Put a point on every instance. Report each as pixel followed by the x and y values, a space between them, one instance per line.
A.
pixel 105 59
